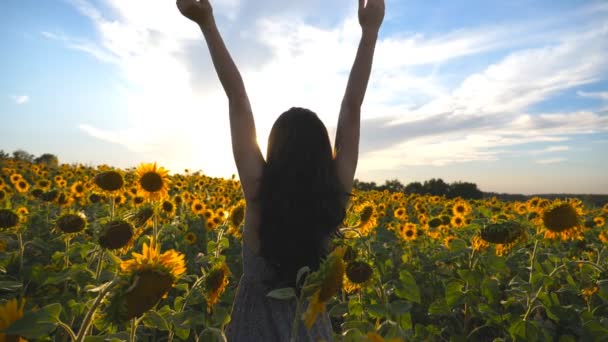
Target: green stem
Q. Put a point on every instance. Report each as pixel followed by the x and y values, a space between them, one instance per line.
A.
pixel 21 252
pixel 67 255
pixel 155 222
pixel 99 264
pixel 88 317
pixel 133 335
pixel 529 300
pixel 195 285
pixel 67 329
pixel 296 319
pixel 112 200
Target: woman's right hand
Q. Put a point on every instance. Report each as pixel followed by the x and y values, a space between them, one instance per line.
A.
pixel 371 14
pixel 199 11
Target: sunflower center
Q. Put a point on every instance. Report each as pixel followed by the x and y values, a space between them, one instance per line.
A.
pixel 151 182
pixel 409 233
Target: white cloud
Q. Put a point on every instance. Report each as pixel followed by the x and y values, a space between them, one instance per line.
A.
pixel 602 95
pixel 550 149
pixel 287 62
pixel 20 99
pixel 551 161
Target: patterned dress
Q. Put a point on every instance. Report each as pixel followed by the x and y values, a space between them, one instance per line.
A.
pixel 256 317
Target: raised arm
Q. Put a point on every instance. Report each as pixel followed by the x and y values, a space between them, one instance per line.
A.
pixel 371 16
pixel 247 154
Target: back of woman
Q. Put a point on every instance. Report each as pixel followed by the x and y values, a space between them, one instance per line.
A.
pixel 296 198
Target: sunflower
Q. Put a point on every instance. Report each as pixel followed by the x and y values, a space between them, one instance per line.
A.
pixel 461 208
pixel 358 275
pixel 399 213
pixel 138 200
pixel 10 312
pixel 599 221
pixel 141 217
pixel 22 212
pixel 479 244
pixel 43 184
pixel 116 234
pixel 561 221
pixel 8 218
pixel 71 223
pixel 15 177
pixel 167 208
pixel 330 279
pixel 215 283
pixel 137 293
pixel 504 235
pixel 603 236
pixel 169 262
pixel 109 180
pixel 587 293
pixel 64 200
pixel 153 182
pixel 520 208
pixel 408 232
pixel 22 186
pixel 458 221
pixel 50 196
pixel 190 238
pixel 197 207
pixel 78 189
pixel 237 215
pixel 367 218
pixel 448 240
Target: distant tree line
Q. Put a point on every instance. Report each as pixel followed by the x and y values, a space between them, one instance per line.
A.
pixel 435 187
pixel 48 159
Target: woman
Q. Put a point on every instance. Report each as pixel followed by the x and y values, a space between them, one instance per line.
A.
pixel 296 198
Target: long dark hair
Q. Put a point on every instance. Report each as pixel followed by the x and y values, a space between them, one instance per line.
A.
pixel 302 201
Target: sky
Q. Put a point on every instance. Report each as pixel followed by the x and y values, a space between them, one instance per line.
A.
pixel 510 95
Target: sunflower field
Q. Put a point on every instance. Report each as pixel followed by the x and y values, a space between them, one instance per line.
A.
pixel 104 254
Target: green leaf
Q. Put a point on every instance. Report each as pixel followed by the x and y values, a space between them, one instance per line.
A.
pixel 10 286
pixel 301 272
pixel 458 245
pixel 36 324
pixel 355 308
pixel 524 331
pixel 453 293
pixel 490 290
pixel 407 288
pixel 153 319
pixel 284 293
pixel 439 307
pixel 212 335
pixel 339 310
pixel 116 260
pixel 405 321
pixel 400 307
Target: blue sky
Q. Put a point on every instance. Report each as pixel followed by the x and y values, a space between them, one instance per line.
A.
pixel 511 95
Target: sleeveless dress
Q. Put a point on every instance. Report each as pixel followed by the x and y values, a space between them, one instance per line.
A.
pixel 256 317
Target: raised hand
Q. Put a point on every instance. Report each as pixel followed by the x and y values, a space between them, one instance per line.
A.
pixel 371 14
pixel 199 11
